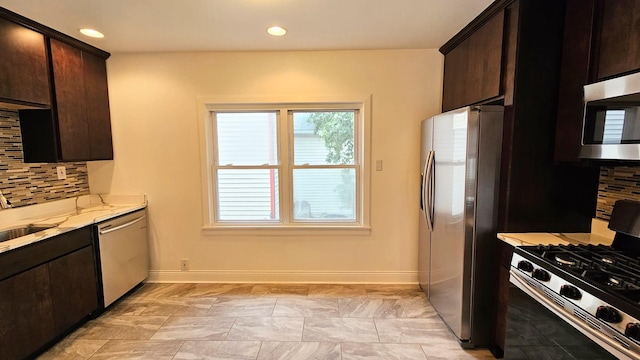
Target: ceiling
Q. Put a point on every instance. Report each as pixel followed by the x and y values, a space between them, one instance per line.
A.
pixel 240 25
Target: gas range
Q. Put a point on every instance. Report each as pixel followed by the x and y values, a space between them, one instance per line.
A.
pixel 595 288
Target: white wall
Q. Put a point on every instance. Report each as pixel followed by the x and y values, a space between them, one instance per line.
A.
pixel 154 117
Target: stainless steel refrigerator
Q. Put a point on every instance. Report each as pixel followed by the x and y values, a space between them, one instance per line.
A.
pixel 460 165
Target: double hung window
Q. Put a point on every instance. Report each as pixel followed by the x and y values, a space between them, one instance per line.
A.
pixel 299 165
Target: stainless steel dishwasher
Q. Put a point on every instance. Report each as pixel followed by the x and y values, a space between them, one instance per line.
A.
pixel 123 254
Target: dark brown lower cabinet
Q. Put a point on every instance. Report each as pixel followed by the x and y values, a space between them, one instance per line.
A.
pixel 73 288
pixel 26 313
pixel 47 288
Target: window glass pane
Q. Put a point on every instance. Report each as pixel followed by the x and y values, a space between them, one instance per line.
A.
pixel 321 138
pixel 247 138
pixel 248 194
pixel 324 194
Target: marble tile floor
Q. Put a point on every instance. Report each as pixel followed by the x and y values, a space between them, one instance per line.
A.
pixel 266 321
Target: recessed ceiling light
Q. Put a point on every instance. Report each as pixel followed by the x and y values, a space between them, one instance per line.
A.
pixel 92 33
pixel 276 31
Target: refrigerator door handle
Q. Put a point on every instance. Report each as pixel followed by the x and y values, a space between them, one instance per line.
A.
pixel 428 188
pixel 423 184
pixel 422 191
pixel 432 188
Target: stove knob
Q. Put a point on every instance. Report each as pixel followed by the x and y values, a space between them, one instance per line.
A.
pixel 541 275
pixel 608 314
pixel 525 266
pixel 570 292
pixel 633 331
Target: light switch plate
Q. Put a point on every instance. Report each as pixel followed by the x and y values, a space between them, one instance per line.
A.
pixel 62 172
pixel 378 165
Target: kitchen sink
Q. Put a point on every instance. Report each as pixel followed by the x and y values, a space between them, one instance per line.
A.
pixel 14 233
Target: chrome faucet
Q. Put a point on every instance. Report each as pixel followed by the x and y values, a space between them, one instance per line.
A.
pixel 4 203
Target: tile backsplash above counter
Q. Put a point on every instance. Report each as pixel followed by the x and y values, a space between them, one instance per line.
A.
pixel 29 184
pixel 616 183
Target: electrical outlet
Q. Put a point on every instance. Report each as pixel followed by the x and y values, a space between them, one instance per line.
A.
pixel 62 172
pixel 184 264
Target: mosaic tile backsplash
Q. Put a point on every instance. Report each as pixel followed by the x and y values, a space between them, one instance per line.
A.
pixel 27 184
pixel 616 183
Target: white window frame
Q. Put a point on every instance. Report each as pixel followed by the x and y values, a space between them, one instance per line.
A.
pixel 286 225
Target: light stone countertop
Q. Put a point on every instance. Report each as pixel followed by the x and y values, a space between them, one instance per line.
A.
pixel 600 235
pixel 65 215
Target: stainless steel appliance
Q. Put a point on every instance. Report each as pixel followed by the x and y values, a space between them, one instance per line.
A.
pixel 611 127
pixel 460 160
pixel 596 289
pixel 123 254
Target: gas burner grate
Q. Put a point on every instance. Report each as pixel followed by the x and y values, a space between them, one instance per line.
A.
pixel 611 270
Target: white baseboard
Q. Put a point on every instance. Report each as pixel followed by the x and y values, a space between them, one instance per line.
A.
pixel 267 276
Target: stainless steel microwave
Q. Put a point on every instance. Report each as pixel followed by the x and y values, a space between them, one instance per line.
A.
pixel 611 126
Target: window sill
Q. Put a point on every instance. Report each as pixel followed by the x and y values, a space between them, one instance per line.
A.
pixel 248 230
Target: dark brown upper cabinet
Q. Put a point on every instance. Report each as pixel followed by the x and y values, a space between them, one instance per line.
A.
pixel 71 104
pixel 24 75
pixel 59 85
pixel 619 48
pixel 473 68
pixel 96 94
pixel 601 40
pixel 574 74
pixel 78 126
pixel 82 103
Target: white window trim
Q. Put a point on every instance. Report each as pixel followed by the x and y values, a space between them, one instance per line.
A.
pixel 205 132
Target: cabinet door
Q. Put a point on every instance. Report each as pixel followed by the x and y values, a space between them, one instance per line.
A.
pixel 73 287
pixel 24 78
pixel 619 38
pixel 82 100
pixel 485 61
pixel 473 69
pixel 97 103
pixel 70 101
pixel 574 74
pixel 455 73
pixel 26 313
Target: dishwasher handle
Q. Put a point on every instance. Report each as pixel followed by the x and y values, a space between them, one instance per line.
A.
pixel 107 229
